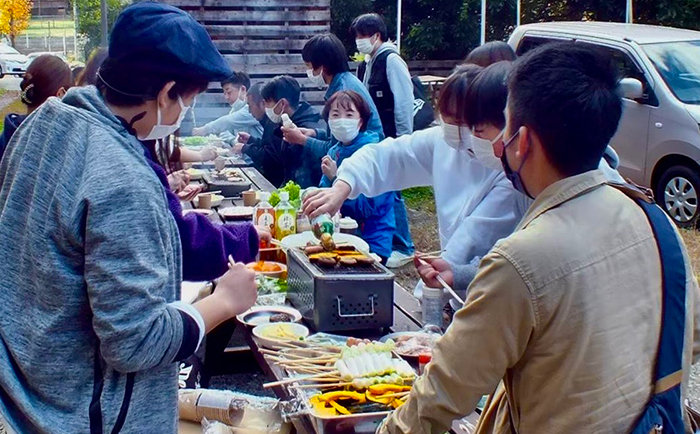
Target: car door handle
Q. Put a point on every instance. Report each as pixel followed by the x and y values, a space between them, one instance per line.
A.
pixel 658 125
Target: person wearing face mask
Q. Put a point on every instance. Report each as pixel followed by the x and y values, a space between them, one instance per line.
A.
pixel 582 320
pixel 347 114
pixel 385 74
pixel 476 205
pixel 89 252
pixel 47 76
pixel 487 95
pixel 239 119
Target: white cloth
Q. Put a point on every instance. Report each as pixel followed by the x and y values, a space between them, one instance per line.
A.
pixel 476 206
pixel 235 122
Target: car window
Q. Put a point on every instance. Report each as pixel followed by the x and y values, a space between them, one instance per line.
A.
pixel 628 68
pixel 678 63
pixel 528 43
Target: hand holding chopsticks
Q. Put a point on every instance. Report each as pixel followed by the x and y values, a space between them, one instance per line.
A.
pixel 442 282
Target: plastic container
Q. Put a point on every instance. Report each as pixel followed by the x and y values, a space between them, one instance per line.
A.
pixel 285 217
pixel 348 226
pixel 432 306
pixel 264 213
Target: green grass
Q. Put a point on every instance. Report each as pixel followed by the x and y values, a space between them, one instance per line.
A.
pixel 41 28
pixel 15 106
pixel 420 198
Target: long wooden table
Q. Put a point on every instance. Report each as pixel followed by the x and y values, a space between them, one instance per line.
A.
pixel 407 317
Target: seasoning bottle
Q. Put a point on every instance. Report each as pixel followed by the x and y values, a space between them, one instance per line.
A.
pixel 264 214
pixel 285 217
pixel 432 306
pixel 322 224
pixel 423 361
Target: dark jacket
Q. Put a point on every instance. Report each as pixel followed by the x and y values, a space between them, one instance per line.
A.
pixel 281 161
pixel 206 246
pixel 12 122
pixel 374 215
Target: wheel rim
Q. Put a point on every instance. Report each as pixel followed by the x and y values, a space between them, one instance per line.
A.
pixel 681 199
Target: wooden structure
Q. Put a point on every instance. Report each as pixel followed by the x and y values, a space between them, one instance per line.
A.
pixel 264 38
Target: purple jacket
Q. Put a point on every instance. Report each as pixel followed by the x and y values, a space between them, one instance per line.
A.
pixel 205 245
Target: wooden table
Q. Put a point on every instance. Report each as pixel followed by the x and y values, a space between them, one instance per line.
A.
pixel 407 317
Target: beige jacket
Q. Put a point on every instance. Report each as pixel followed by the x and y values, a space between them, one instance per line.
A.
pixel 565 313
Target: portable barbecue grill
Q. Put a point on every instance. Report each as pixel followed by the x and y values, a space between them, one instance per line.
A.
pixel 340 298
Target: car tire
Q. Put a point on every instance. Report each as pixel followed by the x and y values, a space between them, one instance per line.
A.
pixel 678 193
pixel 2 74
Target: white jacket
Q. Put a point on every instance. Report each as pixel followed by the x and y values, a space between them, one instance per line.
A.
pixel 476 206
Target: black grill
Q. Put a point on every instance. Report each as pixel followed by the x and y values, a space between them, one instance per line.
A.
pixel 355 270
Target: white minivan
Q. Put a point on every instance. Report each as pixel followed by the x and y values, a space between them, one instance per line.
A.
pixel 658 139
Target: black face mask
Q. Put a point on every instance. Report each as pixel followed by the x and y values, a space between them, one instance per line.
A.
pixel 512 175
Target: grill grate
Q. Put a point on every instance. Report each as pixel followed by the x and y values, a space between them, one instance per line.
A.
pixel 340 269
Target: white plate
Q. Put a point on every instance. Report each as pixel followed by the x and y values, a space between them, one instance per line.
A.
pixel 257 315
pixel 300 240
pixel 195 174
pixel 204 212
pixel 298 330
pixel 237 212
pixel 215 200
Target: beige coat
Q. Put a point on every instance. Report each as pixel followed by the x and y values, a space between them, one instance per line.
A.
pixel 565 313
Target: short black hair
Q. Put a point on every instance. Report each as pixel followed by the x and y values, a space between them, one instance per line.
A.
pixel 490 53
pixel 368 25
pixel 282 86
pixel 452 101
pixel 487 96
pixel 255 92
pixel 328 52
pixel 344 98
pixel 238 79
pixel 567 94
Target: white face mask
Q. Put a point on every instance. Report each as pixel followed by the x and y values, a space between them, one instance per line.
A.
pixel 160 131
pixel 456 137
pixel 238 104
pixel 344 129
pixel 316 80
pixel 365 45
pixel 483 151
pixel 274 117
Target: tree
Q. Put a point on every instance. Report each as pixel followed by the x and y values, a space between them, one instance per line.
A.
pixel 14 17
pixel 89 25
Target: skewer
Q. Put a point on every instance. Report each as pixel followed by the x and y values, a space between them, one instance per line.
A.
pixel 395 395
pixel 445 285
pixel 297 379
pixel 313 360
pixel 319 386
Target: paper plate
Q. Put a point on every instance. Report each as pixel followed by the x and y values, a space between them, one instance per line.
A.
pixel 261 314
pixel 237 213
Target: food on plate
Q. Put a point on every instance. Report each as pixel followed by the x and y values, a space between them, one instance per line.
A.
pixel 280 331
pixel 195 173
pixel 293 189
pixel 371 360
pixel 264 266
pixel 351 342
pixel 194 141
pixel 230 175
pixel 415 345
pixel 281 317
pixel 270 285
pixel 327 242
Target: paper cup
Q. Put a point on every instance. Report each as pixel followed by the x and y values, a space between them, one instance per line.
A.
pixel 250 198
pixel 204 200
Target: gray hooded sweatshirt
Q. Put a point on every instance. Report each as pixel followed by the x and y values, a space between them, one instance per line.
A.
pixel 90 263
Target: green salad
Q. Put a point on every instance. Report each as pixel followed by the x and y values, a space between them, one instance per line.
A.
pixel 294 191
pixel 195 141
pixel 270 285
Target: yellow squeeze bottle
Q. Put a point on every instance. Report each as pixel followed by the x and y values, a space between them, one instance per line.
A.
pixel 285 217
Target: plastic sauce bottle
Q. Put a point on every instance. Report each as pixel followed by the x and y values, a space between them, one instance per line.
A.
pixel 287 122
pixel 285 217
pixel 432 306
pixel 264 214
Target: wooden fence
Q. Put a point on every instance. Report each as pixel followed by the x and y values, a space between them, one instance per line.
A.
pixel 264 38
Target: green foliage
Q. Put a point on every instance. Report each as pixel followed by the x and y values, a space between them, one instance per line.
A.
pixel 420 198
pixel 449 29
pixel 89 16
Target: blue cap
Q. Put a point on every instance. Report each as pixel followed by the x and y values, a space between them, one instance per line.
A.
pixel 161 39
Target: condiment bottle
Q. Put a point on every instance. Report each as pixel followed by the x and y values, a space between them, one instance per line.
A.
pixel 264 214
pixel 432 306
pixel 423 361
pixel 287 122
pixel 322 224
pixel 285 217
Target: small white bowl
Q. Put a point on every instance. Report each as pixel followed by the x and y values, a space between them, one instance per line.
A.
pixel 298 332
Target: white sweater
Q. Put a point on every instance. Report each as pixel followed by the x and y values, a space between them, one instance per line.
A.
pixel 476 206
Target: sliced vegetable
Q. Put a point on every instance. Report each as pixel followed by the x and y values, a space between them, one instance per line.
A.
pixel 339 408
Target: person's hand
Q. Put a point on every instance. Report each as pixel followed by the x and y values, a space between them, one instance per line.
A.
pixel 199 131
pixel 243 137
pixel 326 200
pixel 297 136
pixel 208 153
pixel 430 269
pixel 329 167
pixel 237 148
pixel 237 289
pixel 190 192
pixel 264 234
pixel 178 180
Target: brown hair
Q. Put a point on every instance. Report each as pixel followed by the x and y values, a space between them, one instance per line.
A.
pixel 453 94
pixel 346 98
pixel 490 53
pixel 46 75
pixel 88 76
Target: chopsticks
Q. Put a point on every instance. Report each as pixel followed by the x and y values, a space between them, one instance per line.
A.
pixel 444 284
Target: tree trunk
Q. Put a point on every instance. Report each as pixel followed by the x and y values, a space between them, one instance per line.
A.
pixel 12 39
